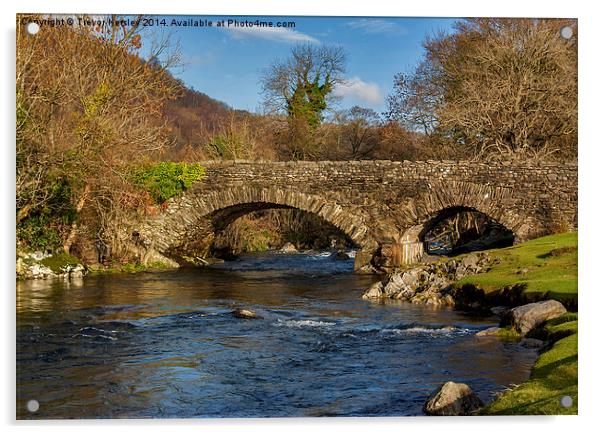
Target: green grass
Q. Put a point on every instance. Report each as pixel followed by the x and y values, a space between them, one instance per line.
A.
pixel 553 376
pixel 131 268
pixel 549 264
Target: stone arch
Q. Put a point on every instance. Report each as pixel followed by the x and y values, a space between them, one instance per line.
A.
pixel 184 214
pixel 444 199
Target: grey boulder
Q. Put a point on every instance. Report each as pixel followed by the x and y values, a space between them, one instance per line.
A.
pixel 375 291
pixel 452 399
pixel 527 317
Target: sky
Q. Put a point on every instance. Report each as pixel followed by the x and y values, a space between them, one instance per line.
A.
pixel 226 62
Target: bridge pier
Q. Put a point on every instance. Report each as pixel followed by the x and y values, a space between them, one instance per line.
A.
pixel 400 254
pixel 362 259
pixel 392 255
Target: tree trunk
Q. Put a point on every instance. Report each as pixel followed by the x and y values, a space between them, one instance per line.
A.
pixel 73 232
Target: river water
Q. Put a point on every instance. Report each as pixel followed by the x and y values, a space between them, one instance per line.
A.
pixel 165 344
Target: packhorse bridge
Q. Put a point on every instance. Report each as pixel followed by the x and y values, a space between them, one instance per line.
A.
pixel 385 207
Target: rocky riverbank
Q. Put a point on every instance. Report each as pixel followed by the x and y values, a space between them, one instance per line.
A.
pixel 430 284
pixel 40 265
pixel 544 325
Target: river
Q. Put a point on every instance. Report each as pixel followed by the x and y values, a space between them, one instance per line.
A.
pixel 164 344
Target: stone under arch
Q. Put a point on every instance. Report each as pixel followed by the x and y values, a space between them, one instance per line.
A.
pixel 207 209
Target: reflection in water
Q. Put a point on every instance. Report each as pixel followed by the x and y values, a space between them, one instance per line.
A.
pixel 165 345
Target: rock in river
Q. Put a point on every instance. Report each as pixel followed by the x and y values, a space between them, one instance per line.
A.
pixel 339 255
pixel 491 331
pixel 525 318
pixel 288 248
pixel 245 314
pixel 375 291
pixel 452 399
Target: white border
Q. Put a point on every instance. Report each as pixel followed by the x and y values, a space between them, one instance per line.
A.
pixel 589 209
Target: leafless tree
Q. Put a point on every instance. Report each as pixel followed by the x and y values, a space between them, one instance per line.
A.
pixel 501 88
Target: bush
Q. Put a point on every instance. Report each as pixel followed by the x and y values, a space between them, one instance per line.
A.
pixel 166 180
pixel 42 229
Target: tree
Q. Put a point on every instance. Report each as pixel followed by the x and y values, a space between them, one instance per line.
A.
pixel 88 106
pixel 359 135
pixel 301 86
pixel 501 88
pixel 414 100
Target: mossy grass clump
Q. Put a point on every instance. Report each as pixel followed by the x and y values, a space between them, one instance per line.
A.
pixel 508 333
pixel 59 261
pixel 553 376
pixel 545 267
pixel 138 267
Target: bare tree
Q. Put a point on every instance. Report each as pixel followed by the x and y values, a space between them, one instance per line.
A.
pixel 359 134
pixel 414 100
pixel 501 88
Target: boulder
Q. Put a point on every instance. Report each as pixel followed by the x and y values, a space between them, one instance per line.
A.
pixel 75 271
pixel 375 291
pixel 452 399
pixel 403 285
pixel 288 248
pixel 527 317
pixel 245 314
pixel 39 271
pixel 448 300
pixel 491 331
pixel 366 269
pixel 339 255
pixel 532 343
pixel 471 262
pixel 499 310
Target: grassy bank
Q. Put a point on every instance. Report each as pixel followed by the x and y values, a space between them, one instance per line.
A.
pixel 553 376
pixel 545 267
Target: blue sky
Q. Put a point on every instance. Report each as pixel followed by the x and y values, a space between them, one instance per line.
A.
pixel 226 63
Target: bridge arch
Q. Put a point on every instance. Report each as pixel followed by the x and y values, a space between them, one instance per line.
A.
pixel 442 200
pixel 210 211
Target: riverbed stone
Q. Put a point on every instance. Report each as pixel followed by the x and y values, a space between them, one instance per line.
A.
pixel 532 343
pixel 246 314
pixel 375 291
pixel 39 271
pixel 288 248
pixel 431 283
pixel 491 331
pixel 452 399
pixel 527 317
pixel 339 255
pixel 499 310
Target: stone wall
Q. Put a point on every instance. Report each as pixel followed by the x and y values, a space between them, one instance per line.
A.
pixel 377 203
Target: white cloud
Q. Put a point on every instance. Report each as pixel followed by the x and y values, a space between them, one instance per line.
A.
pixel 358 89
pixel 377 26
pixel 279 34
pixel 207 58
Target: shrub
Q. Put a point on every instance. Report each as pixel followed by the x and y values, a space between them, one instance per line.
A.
pixel 166 180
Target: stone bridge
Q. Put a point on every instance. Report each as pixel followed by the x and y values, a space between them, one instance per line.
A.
pixel 385 207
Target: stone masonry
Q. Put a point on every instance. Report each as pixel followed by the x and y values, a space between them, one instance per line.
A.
pixel 385 207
